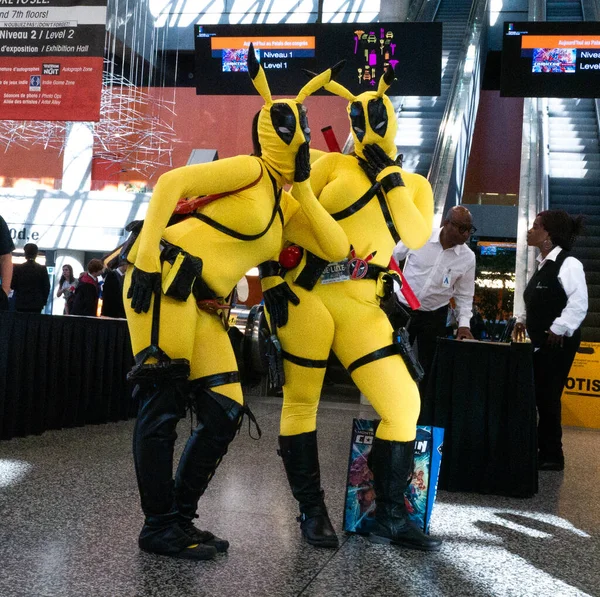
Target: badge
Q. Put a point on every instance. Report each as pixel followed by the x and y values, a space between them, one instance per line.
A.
pixel 335 272
pixel 447 279
pixel 357 267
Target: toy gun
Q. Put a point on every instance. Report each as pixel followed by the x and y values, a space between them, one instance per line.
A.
pixel 402 343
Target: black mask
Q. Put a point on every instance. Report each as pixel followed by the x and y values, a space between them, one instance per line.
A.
pixel 357 118
pixel 378 118
pixel 284 122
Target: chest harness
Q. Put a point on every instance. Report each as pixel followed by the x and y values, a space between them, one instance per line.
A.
pixel 315 266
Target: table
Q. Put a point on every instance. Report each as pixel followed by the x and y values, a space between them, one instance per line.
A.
pixel 62 371
pixel 482 393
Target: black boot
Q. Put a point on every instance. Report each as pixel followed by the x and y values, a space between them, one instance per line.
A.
pixel 153 443
pixel 219 418
pixel 301 461
pixel 391 464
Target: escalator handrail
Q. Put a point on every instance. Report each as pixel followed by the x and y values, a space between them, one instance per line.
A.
pixel 461 91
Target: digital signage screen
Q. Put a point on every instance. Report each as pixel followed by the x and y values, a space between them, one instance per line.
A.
pixel 557 59
pixel 413 49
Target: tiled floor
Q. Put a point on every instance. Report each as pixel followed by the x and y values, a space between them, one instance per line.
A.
pixel 70 518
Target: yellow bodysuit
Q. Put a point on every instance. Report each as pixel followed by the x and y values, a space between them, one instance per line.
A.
pixel 376 203
pixel 184 268
pixel 345 316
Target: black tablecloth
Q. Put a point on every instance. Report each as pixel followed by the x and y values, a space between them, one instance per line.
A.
pixel 62 371
pixel 483 395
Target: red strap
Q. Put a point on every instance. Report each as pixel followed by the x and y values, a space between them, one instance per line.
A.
pixel 187 206
pixel 407 291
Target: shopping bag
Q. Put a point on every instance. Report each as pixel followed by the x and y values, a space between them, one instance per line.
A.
pixel 359 511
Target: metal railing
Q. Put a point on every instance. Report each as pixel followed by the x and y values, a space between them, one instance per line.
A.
pixel 458 121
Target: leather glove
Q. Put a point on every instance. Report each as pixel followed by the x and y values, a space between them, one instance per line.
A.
pixel 302 171
pixel 276 293
pixel 143 286
pixel 376 162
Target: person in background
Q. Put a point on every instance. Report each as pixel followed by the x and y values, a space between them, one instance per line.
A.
pixel 442 269
pixel 112 292
pixel 85 300
pixel 556 303
pixel 30 282
pixel 67 284
pixel 6 267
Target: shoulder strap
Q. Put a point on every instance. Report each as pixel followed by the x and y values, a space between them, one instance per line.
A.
pixel 246 237
pixel 187 206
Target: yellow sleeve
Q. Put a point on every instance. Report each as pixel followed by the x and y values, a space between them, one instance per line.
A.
pixel 411 207
pixel 313 228
pixel 315 154
pixel 190 181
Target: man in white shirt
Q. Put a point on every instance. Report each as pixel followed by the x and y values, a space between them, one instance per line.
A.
pixel 442 269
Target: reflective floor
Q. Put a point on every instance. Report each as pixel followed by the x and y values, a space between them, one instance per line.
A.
pixel 70 518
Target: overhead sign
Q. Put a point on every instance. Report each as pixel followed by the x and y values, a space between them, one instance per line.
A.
pixel 51 59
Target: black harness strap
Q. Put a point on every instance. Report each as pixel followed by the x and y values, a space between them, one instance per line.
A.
pixel 385 210
pixel 381 353
pixel 217 379
pixel 246 237
pixel 311 363
pixel 153 350
pixel 358 204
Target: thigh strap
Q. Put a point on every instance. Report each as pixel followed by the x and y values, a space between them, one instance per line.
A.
pixel 216 379
pixel 311 363
pixel 381 353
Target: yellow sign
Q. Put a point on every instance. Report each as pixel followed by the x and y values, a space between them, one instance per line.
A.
pixel 581 395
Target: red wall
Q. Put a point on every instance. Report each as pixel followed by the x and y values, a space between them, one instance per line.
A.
pixel 200 122
pixel 224 122
pixel 495 159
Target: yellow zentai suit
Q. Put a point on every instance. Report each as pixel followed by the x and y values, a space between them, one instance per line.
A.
pixel 182 271
pixel 345 316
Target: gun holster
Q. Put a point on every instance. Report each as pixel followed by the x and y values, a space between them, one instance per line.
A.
pixel 274 354
pixel 402 343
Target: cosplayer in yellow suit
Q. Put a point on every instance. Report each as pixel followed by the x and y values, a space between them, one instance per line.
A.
pixel 183 269
pixel 376 203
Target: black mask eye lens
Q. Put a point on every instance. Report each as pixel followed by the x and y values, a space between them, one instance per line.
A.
pixel 284 122
pixel 378 116
pixel 357 118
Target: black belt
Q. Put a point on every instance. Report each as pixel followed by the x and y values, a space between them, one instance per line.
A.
pixel 374 271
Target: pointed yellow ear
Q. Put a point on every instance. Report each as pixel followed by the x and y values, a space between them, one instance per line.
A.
pixel 259 79
pixel 386 80
pixel 319 81
pixel 340 90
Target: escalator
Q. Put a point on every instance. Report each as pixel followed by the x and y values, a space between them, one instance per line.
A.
pixel 574 172
pixel 419 118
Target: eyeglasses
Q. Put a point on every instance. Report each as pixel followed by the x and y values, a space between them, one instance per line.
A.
pixel 462 228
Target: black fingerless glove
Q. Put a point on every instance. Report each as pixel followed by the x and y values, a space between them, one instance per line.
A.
pixel 377 161
pixel 143 286
pixel 276 302
pixel 302 171
pixel 277 297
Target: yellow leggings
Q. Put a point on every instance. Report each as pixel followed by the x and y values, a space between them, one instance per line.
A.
pixel 186 332
pixel 345 317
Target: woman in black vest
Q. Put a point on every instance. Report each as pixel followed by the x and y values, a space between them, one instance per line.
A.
pixel 556 303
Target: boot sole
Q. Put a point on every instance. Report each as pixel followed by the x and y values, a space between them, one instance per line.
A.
pixel 324 544
pixel 187 554
pixel 378 539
